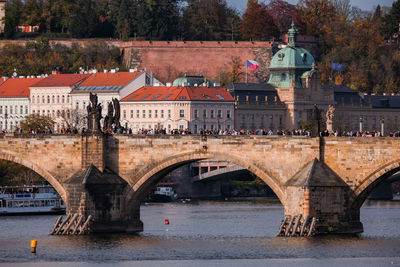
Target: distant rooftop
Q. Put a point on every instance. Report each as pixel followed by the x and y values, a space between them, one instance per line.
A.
pixel 17 87
pixel 61 80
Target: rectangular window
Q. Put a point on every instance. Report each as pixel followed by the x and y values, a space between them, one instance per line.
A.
pixel 150 113
pixel 219 114
pixel 1 109
pixel 156 113
pixel 169 114
pixel 144 114
pixel 195 129
pixel 181 113
pixel 26 109
pixel 21 109
pixel 162 113
pixel 228 114
pixel 212 114
pixel 137 114
pixel 131 114
pixel 11 110
pixel 196 113
pixel 204 113
pixel 124 116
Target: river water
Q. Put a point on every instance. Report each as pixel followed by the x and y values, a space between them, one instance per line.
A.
pixel 206 234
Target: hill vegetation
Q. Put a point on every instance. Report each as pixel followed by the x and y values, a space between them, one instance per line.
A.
pixel 365 42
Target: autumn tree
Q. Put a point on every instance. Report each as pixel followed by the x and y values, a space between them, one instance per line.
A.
pixel 283 14
pixel 257 23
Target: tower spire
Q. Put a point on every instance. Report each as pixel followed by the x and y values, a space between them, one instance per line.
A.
pixel 292 33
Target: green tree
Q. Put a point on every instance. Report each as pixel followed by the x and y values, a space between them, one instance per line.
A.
pixel 37 122
pixel 390 22
pixel 12 18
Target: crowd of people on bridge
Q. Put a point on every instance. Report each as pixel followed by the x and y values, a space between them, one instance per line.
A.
pixel 212 132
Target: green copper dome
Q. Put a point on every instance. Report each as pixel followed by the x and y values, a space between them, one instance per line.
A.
pixel 192 80
pixel 290 63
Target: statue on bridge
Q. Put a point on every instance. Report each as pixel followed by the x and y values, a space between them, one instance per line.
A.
pixel 109 119
pixel 113 116
pixel 330 113
pixel 94 115
pixel 316 117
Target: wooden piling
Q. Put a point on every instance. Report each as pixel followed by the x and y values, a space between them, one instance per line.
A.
pixel 296 225
pixel 75 231
pixel 302 233
pixel 58 221
pixel 313 222
pixel 85 225
pixel 289 226
pixel 70 224
pixel 62 224
pixel 281 227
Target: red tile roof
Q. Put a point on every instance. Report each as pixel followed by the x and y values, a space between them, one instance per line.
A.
pixel 61 80
pixel 18 87
pixel 178 93
pixel 110 79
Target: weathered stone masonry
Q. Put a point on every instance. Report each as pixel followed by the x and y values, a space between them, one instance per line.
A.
pixel 107 177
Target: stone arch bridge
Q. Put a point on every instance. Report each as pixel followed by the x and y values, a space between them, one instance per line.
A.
pixel 108 176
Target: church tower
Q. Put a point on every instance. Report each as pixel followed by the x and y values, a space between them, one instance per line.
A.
pixel 294 74
pixel 2 15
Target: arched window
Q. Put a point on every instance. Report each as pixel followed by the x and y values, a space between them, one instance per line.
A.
pixel 63 99
pixel 43 101
pixel 58 113
pixel 67 98
pixel 58 99
pixel 33 99
pixel 48 99
pixel 63 113
pixel 38 99
pixel 53 99
pixel 68 115
pixel 54 113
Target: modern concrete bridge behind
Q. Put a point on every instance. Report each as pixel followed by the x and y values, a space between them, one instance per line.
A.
pixel 108 176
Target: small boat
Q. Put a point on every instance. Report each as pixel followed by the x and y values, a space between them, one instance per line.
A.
pixel 33 199
pixel 164 194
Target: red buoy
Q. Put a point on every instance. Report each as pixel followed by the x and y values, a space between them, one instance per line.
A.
pixel 166 221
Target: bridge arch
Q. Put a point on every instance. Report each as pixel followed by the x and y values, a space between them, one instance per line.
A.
pixel 42 172
pixel 369 183
pixel 154 172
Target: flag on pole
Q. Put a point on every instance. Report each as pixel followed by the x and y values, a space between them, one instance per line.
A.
pixel 337 66
pixel 251 64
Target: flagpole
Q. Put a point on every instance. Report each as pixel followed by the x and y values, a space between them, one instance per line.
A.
pixel 246 72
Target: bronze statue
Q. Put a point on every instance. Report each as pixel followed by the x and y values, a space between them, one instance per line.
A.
pixel 316 115
pixel 94 114
pixel 109 119
pixel 117 113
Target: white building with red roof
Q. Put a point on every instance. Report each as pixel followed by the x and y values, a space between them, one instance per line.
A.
pixel 51 96
pixel 178 107
pixel 106 85
pixel 14 101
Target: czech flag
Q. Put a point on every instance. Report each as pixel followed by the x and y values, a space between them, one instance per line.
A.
pixel 251 64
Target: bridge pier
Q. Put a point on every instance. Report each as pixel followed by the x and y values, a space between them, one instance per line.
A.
pixel 101 194
pixel 317 191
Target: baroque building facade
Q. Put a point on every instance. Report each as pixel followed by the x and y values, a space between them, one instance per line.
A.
pixel 294 88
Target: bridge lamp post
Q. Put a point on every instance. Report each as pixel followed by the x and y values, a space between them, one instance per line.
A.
pixel 382 127
pixel 361 124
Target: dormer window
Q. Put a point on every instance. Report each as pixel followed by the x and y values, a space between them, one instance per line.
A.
pixel 304 57
pixel 281 56
pixel 283 76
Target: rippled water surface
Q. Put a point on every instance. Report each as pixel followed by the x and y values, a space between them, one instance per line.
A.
pixel 205 233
